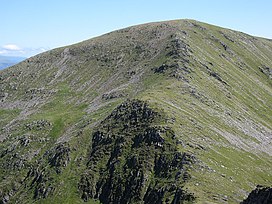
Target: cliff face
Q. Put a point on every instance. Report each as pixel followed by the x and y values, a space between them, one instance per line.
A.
pixel 166 112
pixel 141 159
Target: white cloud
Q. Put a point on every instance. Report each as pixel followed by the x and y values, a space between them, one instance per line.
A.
pixel 11 47
pixel 43 49
pixel 3 52
pixel 15 50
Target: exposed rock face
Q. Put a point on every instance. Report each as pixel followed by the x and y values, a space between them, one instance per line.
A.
pixel 40 181
pixel 179 55
pixel 39 177
pixel 38 125
pixel 266 70
pixel 260 195
pixel 138 157
pixel 59 157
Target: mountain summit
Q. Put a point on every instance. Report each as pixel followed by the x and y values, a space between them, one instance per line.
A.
pixel 168 112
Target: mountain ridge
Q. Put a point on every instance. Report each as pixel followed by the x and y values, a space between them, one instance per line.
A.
pixel 212 87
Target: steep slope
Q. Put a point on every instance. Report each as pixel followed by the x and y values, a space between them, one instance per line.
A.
pixel 197 126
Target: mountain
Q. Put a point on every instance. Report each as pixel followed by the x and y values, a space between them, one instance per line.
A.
pixel 7 61
pixel 167 112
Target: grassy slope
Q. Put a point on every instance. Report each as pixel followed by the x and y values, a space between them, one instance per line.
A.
pixel 234 169
pixel 204 112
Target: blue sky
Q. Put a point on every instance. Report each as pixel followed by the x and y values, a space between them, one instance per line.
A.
pixel 33 26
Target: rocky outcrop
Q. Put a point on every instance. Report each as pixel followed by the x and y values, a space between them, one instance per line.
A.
pixel 8 191
pixel 178 58
pixel 131 158
pixel 40 178
pixel 40 181
pixel 217 76
pixel 260 195
pixel 113 95
pixel 38 125
pixel 266 70
pixel 59 157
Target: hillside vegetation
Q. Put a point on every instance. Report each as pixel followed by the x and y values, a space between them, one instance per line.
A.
pixel 168 112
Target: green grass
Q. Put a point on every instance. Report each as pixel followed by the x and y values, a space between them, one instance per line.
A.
pixel 233 170
pixel 6 115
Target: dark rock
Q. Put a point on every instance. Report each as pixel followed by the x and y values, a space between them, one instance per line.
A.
pixel 178 70
pixel 154 195
pixel 166 164
pixel 178 49
pixel 226 36
pixel 266 70
pixel 199 26
pixel 131 114
pixel 3 96
pixel 132 162
pixel 217 76
pixel 13 161
pixel 40 178
pixel 181 195
pixel 5 199
pixel 186 176
pixel 161 69
pixel 157 195
pixel 112 95
pixel 260 195
pixel 150 136
pixel 97 138
pixel 87 185
pixel 132 149
pixel 24 141
pixel 9 190
pixel 224 45
pixel 40 181
pixel 38 125
pixel 59 157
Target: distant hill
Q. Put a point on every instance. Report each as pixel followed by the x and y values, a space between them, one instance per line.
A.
pixel 7 61
pixel 167 113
